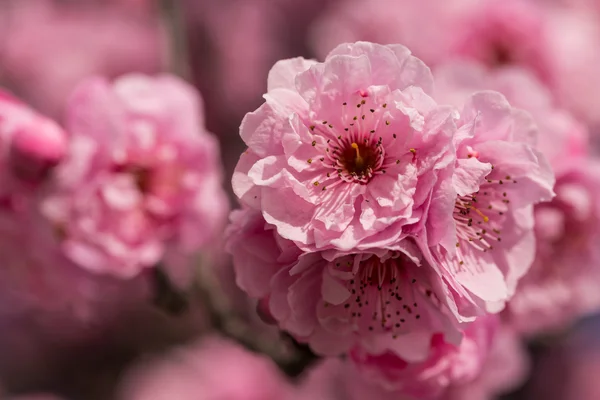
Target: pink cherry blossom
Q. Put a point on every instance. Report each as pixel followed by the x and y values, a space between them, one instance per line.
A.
pixel 48 291
pixel 47 48
pixel 347 153
pixel 530 34
pixel 447 364
pixel 499 176
pixel 142 179
pixel 333 301
pixel 30 146
pixel 550 295
pixel 561 285
pixel 504 369
pixel 489 362
pixel 213 368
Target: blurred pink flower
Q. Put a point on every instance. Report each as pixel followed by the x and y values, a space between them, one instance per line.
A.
pixel 558 44
pixel 378 298
pixel 213 369
pixel 562 284
pixel 30 146
pixel 142 179
pixel 505 368
pixel 41 284
pixel 354 145
pixel 46 49
pixel 550 295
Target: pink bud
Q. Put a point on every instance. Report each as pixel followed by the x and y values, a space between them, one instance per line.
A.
pixel 35 150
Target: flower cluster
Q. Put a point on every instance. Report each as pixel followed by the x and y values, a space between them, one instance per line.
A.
pixel 377 222
pixel 418 200
pixel 561 285
pixel 132 182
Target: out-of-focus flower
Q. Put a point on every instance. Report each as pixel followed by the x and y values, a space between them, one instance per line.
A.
pixel 379 299
pixel 42 283
pixel 212 369
pixel 505 369
pixel 562 284
pixel 566 229
pixel 142 179
pixel 354 146
pixel 556 43
pixel 46 49
pixel 30 146
pixel 446 365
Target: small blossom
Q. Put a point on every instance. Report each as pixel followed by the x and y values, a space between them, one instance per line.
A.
pixel 354 145
pixel 489 362
pixel 213 368
pixel 142 177
pixel 31 146
pixel 566 232
pixel 505 368
pixel 561 286
pixel 447 365
pixel 499 176
pixel 334 300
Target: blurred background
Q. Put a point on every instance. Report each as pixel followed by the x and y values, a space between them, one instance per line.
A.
pixel 225 48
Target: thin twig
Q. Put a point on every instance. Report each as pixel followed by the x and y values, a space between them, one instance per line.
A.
pixel 172 15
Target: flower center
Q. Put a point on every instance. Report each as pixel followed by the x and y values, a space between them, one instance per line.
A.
pixel 480 216
pixel 141 175
pixel 354 150
pixel 385 296
pixel 359 160
pixel 142 178
pixel 501 54
pixel 474 226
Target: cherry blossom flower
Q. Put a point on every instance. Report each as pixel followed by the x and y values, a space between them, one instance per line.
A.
pixel 334 301
pixel 446 365
pixel 561 286
pixel 490 362
pixel 30 147
pixel 550 295
pixel 213 367
pixel 347 153
pixel 498 178
pixel 505 368
pixel 142 179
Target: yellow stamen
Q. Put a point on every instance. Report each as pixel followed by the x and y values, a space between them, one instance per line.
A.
pixel 482 215
pixel 359 159
pixel 470 206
